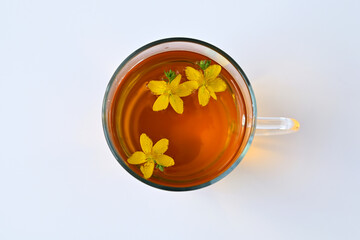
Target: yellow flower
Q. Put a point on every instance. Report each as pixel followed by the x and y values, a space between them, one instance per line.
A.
pixel 171 92
pixel 151 155
pixel 209 82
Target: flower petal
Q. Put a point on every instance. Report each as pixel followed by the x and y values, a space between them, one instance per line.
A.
pixel 137 158
pixel 212 71
pixel 203 96
pixel 176 81
pixel 186 88
pixel 161 146
pixel 157 87
pixel 212 93
pixel 194 75
pixel 177 103
pixel 161 102
pixel 147 169
pixel 146 143
pixel 217 84
pixel 165 160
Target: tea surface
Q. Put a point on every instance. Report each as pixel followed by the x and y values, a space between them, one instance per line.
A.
pixel 204 141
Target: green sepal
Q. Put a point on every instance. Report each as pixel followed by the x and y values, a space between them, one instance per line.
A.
pixel 204 64
pixel 171 75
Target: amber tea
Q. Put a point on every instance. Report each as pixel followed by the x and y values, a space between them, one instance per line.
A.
pixel 175 123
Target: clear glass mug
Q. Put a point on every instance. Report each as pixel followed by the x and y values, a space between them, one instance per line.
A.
pixel 253 125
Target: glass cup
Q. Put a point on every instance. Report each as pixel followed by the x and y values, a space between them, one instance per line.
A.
pixel 253 125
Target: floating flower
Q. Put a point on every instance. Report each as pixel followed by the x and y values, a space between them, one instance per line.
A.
pixel 171 91
pixel 209 83
pixel 151 155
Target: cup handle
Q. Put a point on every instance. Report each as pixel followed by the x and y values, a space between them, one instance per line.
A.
pixel 266 126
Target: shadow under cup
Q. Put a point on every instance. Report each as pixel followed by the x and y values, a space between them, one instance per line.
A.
pixel 247 117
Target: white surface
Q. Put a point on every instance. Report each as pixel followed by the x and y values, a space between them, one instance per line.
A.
pixel 59 180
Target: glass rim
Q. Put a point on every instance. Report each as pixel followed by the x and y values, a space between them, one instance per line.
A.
pixel 233 63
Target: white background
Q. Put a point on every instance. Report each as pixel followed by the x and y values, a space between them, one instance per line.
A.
pixel 59 180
